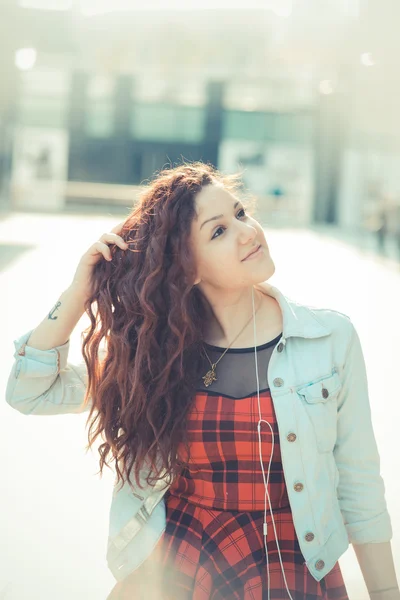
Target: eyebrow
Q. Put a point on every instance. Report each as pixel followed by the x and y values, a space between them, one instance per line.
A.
pixel 218 216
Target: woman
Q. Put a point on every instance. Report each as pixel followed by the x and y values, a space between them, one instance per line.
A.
pixel 253 408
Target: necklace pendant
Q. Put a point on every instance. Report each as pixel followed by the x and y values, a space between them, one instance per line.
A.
pixel 209 377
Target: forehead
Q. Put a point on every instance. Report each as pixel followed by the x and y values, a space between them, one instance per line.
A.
pixel 211 196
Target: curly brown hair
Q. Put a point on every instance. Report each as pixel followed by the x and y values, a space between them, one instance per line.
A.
pixel 151 317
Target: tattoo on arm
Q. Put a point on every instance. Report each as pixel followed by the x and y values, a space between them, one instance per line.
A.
pixel 53 311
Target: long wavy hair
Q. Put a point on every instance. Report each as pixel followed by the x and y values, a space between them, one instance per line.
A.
pixel 150 316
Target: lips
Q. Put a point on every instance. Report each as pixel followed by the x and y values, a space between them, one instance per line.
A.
pixel 252 252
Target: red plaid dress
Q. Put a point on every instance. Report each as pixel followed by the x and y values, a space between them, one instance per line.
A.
pixel 213 546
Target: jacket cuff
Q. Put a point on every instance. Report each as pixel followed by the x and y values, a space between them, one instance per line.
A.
pixel 374 531
pixel 40 362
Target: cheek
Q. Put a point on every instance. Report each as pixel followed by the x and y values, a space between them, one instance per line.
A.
pixel 219 263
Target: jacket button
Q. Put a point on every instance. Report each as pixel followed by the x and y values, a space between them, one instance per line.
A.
pixel 309 536
pixel 280 347
pixel 298 487
pixel 278 382
pixel 291 437
pixel 325 393
pixel 319 565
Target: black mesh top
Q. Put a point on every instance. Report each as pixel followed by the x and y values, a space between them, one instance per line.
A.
pixel 236 371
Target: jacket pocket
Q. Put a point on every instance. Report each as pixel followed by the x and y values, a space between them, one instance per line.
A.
pixel 320 401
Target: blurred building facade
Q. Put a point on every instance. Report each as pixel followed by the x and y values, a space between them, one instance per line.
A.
pixel 111 97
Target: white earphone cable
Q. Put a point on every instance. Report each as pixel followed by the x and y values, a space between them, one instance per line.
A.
pixel 265 527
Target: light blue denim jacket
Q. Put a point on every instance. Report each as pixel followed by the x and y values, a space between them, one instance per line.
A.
pixel 319 388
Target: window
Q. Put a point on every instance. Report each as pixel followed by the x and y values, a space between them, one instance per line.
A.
pixel 100 107
pixel 285 127
pixel 167 122
pixel 44 97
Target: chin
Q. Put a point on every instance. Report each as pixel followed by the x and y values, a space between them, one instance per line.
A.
pixel 266 272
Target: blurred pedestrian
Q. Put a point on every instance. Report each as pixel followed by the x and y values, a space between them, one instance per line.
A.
pixel 383 222
pixel 396 227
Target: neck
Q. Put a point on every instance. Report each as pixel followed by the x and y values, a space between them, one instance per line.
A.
pixel 230 313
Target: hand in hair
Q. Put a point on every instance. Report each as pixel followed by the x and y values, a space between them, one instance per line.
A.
pixel 99 250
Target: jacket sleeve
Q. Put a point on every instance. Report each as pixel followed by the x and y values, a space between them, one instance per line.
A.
pixel 361 489
pixel 43 382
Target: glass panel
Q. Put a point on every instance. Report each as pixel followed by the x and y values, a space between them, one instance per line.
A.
pixel 165 122
pixel 268 126
pixel 42 112
pixel 190 124
pixel 100 119
pixel 294 128
pixel 289 94
pixel 100 106
pixel 156 89
pixel 42 81
pixel 154 122
pixel 243 125
pixel 44 97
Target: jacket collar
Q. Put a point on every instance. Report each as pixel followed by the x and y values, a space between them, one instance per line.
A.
pixel 299 320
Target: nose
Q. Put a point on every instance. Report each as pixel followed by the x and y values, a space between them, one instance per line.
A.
pixel 248 233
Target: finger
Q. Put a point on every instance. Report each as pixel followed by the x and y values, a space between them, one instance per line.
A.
pixel 113 238
pixel 118 228
pixel 103 249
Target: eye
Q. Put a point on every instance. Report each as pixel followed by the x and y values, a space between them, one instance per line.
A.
pixel 242 210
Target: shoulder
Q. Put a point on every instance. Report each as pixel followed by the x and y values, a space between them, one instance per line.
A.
pixel 330 316
pixel 321 312
pixel 338 323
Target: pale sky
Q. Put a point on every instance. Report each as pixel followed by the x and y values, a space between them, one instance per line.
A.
pixel 88 7
pixel 92 7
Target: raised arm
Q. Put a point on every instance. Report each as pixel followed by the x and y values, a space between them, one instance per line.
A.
pixel 42 381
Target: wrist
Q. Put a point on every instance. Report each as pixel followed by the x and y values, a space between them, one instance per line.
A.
pixel 76 290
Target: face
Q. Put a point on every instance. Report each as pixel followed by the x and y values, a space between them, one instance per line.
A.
pixel 222 236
